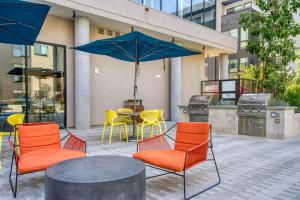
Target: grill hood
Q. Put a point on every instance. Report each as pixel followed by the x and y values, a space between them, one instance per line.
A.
pixel 263 99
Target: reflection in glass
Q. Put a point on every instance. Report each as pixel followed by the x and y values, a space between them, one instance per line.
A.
pixel 46 83
pixel 45 80
pixel 169 6
pixel 12 88
pixel 210 13
pixel 152 3
pixel 184 9
pixel 198 11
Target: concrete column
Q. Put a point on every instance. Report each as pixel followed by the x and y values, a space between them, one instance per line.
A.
pixel 175 88
pixel 82 75
pixel 224 73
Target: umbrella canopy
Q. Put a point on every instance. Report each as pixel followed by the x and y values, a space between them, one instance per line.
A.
pixel 20 21
pixel 38 72
pixel 136 47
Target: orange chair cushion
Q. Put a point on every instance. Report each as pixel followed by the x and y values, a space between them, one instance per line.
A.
pixel 168 159
pixel 41 159
pixel 190 134
pixel 34 137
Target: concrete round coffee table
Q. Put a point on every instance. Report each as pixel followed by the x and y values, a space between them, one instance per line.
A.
pixel 96 177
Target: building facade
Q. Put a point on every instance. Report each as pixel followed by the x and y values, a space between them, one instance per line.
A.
pixel 231 12
pixel 76 88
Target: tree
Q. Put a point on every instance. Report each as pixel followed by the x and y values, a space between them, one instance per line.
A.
pixel 273 30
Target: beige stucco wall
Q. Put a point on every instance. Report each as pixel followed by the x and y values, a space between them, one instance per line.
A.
pixel 58 30
pixel 192 74
pixel 114 84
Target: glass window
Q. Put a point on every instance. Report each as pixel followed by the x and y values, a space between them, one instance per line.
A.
pixel 247 5
pixel 45 81
pixel 233 65
pixel 169 6
pixel 243 63
pixel 198 11
pixel 235 9
pixel 210 13
pixel 138 1
pixel 244 38
pixel 18 50
pixel 40 50
pixel 184 9
pixel 152 3
pixel 233 33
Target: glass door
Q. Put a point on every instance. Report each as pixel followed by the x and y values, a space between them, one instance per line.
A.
pixel 47 83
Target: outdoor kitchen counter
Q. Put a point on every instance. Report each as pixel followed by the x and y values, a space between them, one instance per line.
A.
pixel 224 119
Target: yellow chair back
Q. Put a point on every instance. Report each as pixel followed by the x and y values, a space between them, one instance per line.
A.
pixel 15 119
pixel 110 116
pixel 149 116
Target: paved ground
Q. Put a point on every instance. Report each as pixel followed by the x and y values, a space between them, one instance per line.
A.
pixel 251 168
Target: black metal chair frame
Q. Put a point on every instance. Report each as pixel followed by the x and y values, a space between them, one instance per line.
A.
pixel 184 171
pixel 14 187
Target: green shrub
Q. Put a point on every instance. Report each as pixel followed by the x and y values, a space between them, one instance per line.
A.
pixel 293 95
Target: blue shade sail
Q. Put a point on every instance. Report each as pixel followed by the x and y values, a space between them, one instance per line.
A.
pixel 136 47
pixel 21 21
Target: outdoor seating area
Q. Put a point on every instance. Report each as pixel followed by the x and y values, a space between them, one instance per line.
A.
pixel 209 112
pixel 136 122
pixel 245 172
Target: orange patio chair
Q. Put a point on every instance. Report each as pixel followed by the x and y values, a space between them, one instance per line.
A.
pixel 40 147
pixel 193 139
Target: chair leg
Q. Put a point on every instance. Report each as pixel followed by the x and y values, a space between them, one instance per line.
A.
pixel 165 125
pixel 137 132
pixel 204 190
pixel 151 131
pixel 111 132
pixel 126 132
pixel 143 127
pixel 15 187
pixel 103 132
pixel 120 130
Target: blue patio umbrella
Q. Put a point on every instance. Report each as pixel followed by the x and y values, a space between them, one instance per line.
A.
pixel 20 24
pixel 136 47
pixel 21 21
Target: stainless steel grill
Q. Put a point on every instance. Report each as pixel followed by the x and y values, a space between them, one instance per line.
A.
pixel 198 107
pixel 252 113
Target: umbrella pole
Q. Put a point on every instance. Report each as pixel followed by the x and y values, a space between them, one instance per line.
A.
pixel 134 98
pixel 26 86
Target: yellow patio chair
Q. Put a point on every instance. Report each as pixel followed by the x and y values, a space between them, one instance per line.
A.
pixel 125 118
pixel 12 120
pixel 161 118
pixel 150 118
pixel 112 120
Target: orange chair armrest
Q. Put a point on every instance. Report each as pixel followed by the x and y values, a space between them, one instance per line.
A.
pixel 15 152
pixel 75 143
pixel 196 154
pixel 158 142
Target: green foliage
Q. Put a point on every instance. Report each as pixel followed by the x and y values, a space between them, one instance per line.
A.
pixel 293 95
pixel 254 73
pixel 273 30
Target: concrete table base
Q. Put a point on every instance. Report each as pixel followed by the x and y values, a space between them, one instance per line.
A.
pixel 96 177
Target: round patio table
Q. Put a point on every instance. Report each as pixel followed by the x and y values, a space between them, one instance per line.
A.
pixel 96 177
pixel 134 115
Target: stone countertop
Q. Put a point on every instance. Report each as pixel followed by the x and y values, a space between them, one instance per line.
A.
pixel 224 106
pixel 281 108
